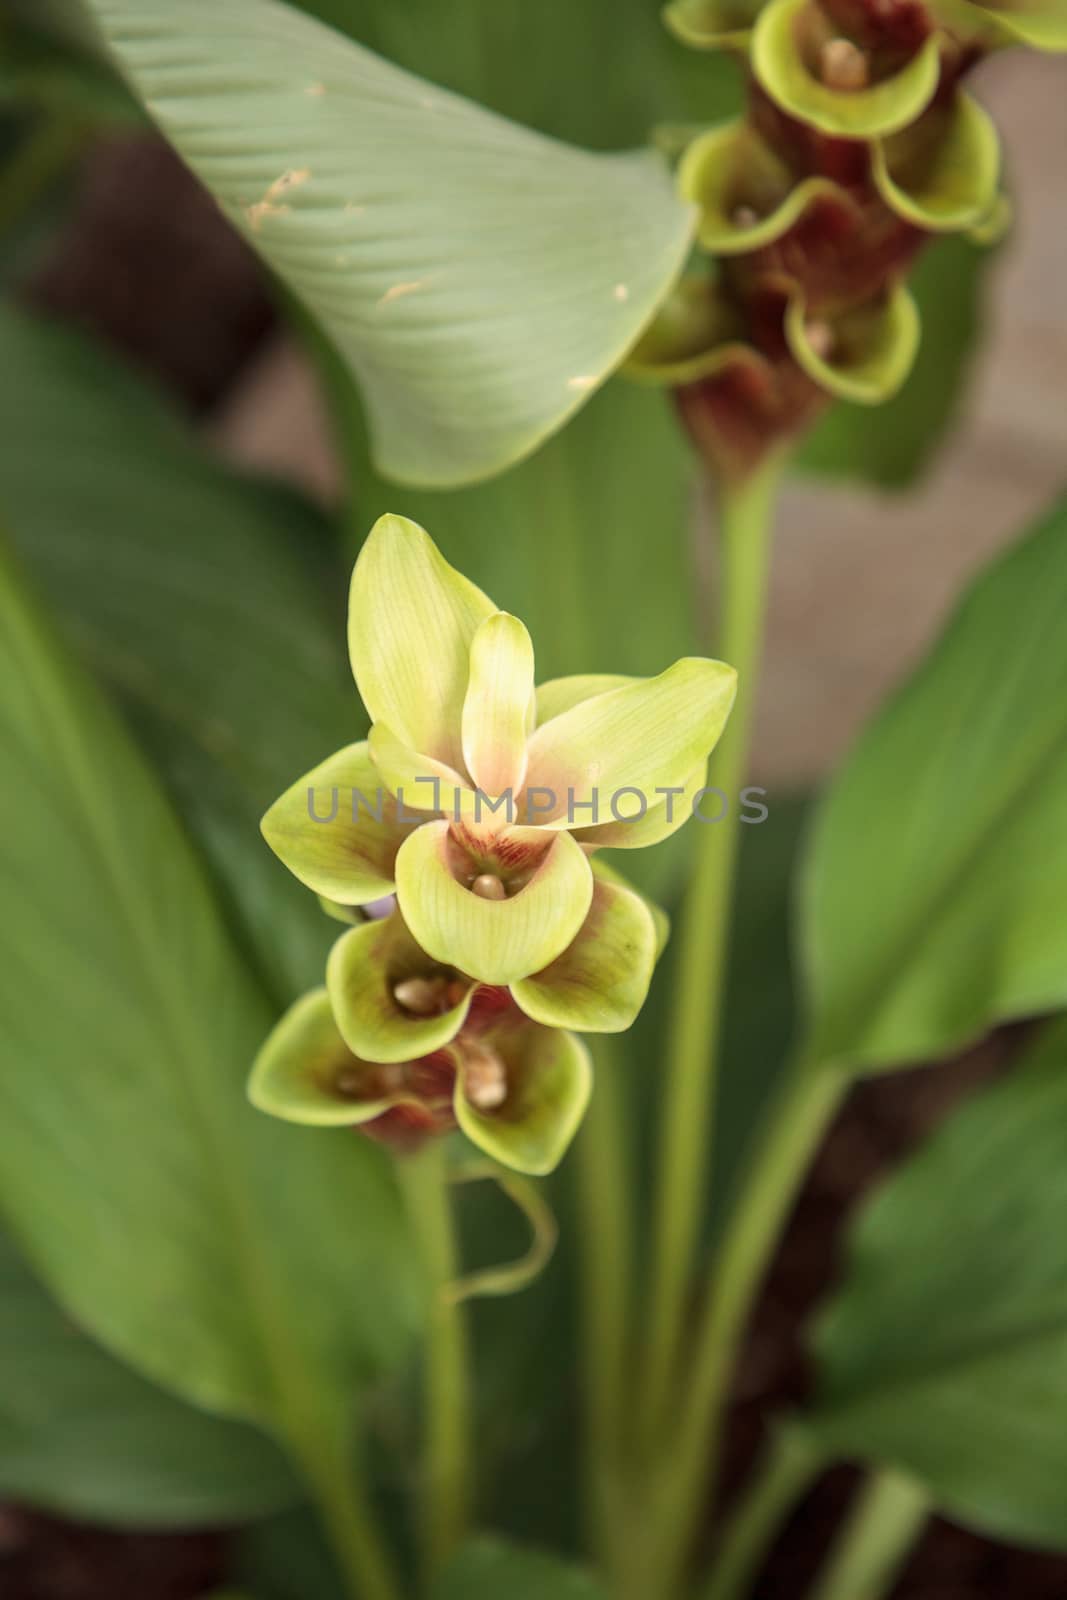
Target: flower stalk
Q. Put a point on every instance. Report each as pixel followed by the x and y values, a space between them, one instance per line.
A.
pixel 876 1540
pixel 686 1131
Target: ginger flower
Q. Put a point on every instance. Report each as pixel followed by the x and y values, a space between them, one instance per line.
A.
pixel 515 1089
pixel 477 799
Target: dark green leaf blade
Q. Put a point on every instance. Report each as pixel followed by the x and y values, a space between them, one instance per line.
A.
pixel 937 873
pixel 945 1351
pixel 487 1569
pixel 255 1271
pixel 211 603
pixel 84 1435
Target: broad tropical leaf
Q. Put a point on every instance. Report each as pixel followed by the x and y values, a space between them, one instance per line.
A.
pixel 256 1270
pixel 211 602
pixel 480 279
pixel 945 1351
pixel 936 881
pixel 82 1434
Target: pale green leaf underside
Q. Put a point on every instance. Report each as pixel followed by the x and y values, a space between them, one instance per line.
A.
pixel 480 279
pixel 945 1352
pixel 938 875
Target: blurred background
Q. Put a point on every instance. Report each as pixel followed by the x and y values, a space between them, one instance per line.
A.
pixel 120 242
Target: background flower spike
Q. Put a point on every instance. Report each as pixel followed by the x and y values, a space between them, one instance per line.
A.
pixel 712 24
pixel 996 223
pixel 863 355
pixel 747 195
pixel 942 173
pixel 695 334
pixel 786 46
pixel 549 1079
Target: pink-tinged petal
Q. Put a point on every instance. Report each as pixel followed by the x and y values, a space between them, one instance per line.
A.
pixel 521 1093
pixel 306 1073
pixel 337 829
pixel 622 746
pixel 411 620
pixel 390 1000
pixel 560 694
pixel 599 983
pixel 495 941
pixel 498 712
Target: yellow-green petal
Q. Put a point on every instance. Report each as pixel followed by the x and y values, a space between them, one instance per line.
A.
pixel 779 61
pixel 411 619
pixel 560 694
pixel 658 823
pixel 550 1079
pixel 337 829
pixel 942 173
pixel 599 983
pixel 996 223
pixel 712 24
pixel 493 941
pixel 498 711
pixel 746 193
pixel 695 334
pixel 363 970
pixel 306 1073
pixel 621 747
pixel 869 351
pixel 419 782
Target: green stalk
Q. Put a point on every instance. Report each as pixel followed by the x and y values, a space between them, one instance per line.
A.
pixel 780 1480
pixel 873 1546
pixel 686 1129
pixel 341 1496
pixel 687 1466
pixel 446 1483
pixel 605 1279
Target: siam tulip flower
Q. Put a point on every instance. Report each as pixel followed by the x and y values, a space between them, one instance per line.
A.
pixel 860 143
pixel 391 1000
pixel 516 1089
pixel 479 800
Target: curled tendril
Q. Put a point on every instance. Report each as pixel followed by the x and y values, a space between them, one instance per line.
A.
pixel 514 1276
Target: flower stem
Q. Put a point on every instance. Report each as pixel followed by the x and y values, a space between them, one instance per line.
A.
pixel 446 1451
pixel 341 1496
pixel 781 1478
pixel 604 1239
pixel 685 1133
pixel 806 1104
pixel 875 1542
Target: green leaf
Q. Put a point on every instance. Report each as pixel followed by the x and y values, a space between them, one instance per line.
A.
pixel 407 219
pixel 892 445
pixel 83 1435
pixel 938 869
pixel 945 1351
pixel 211 602
pixel 487 1569
pixel 251 1267
pixel 543 65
